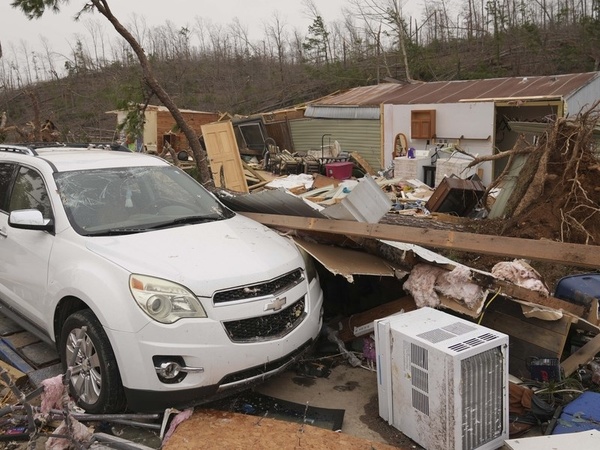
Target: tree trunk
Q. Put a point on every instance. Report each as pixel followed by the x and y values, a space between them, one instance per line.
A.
pixel 199 153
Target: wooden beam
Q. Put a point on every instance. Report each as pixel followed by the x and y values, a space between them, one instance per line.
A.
pixel 512 290
pixel 577 255
pixel 581 356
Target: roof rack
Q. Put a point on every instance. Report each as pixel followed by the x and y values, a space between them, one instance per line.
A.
pixel 30 148
pixel 18 149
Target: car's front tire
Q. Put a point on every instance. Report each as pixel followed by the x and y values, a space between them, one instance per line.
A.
pixel 95 380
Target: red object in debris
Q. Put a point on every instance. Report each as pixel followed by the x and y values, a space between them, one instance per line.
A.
pixel 339 170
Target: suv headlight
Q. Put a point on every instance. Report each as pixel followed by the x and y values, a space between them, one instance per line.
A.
pixel 164 301
pixel 311 270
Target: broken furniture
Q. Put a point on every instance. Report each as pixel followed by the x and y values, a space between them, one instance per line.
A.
pixel 280 161
pixel 456 196
pixel 400 145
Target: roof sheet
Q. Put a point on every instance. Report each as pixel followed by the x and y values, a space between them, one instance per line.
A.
pixel 460 90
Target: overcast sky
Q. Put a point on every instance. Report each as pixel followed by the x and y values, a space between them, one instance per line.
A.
pixel 59 29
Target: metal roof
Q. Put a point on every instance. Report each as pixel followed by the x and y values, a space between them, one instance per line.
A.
pixel 536 87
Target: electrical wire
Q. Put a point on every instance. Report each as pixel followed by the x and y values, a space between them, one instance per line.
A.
pixel 485 307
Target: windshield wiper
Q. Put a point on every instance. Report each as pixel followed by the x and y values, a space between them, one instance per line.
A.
pixel 119 231
pixel 187 220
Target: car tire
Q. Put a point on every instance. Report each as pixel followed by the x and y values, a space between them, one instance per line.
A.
pixel 95 382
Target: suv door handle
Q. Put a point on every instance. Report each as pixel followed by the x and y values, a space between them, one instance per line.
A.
pixel 3 232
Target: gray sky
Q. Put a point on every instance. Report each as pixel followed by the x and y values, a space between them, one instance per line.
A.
pixel 58 30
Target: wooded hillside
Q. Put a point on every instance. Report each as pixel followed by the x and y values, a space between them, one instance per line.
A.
pixel 220 69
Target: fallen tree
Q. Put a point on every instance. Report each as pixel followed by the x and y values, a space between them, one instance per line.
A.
pixel 556 194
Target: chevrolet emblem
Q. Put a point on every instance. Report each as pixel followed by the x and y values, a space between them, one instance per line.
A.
pixel 276 304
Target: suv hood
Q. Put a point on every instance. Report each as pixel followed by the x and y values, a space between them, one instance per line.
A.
pixel 204 257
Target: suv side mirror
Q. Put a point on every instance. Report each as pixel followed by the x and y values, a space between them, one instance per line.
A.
pixel 29 219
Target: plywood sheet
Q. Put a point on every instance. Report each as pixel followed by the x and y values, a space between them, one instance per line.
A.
pixel 211 429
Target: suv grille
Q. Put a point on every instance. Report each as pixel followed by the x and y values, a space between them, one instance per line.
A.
pixel 269 326
pixel 283 283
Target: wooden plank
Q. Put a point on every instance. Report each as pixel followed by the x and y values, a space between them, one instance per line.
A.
pixel 254 173
pixel 581 356
pixel 527 331
pixel 536 297
pixel 21 339
pixel 346 326
pixel 577 255
pixel 362 162
pixel 17 376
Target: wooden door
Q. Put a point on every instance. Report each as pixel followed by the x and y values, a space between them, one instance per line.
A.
pixel 224 156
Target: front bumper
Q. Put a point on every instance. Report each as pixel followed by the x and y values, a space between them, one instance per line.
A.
pixel 157 401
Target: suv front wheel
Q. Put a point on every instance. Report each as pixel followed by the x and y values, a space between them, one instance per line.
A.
pixel 95 380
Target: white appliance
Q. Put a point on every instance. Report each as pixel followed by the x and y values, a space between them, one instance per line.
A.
pixel 442 380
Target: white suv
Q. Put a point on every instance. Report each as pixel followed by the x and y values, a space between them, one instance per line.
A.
pixel 154 292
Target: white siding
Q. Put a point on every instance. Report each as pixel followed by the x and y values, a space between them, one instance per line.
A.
pixel 470 124
pixel 584 98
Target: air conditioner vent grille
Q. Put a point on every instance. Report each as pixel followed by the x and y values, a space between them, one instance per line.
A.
pixel 488 337
pixel 419 356
pixel 448 332
pixel 436 335
pixel 420 401
pixel 420 379
pixel 459 328
pixel 460 347
pixel 482 386
pixel 473 342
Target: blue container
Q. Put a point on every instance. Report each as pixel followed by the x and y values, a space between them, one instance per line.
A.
pixel 581 414
pixel 575 288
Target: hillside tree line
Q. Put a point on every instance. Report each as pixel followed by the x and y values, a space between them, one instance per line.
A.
pixel 213 67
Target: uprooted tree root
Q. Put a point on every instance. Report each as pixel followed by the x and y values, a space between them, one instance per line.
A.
pixel 557 194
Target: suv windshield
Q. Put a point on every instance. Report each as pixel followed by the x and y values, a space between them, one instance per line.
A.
pixel 135 199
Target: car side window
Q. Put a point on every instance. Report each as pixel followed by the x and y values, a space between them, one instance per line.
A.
pixel 29 192
pixel 6 176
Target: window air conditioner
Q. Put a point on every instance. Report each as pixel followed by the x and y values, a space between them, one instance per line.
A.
pixel 442 380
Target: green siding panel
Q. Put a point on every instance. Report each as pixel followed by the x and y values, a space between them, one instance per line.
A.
pixel 354 135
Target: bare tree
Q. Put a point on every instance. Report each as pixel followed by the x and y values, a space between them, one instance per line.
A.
pixel 390 12
pixel 36 8
pixel 275 31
